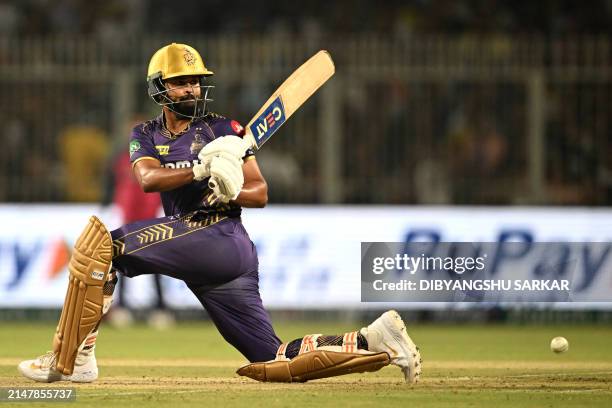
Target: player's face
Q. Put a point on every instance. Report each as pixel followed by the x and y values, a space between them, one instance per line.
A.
pixel 184 92
pixel 183 88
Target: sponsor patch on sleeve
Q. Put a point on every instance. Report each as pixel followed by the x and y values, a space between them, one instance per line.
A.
pixel 134 147
pixel 237 127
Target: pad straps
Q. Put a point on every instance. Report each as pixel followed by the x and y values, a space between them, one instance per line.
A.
pixel 309 343
pixel 280 353
pixel 349 342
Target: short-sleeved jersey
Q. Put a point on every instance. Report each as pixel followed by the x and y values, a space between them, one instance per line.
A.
pixel 151 140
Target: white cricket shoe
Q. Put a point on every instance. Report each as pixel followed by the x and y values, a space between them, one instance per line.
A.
pixel 42 369
pixel 388 333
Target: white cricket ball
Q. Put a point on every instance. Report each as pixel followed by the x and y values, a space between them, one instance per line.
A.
pixel 559 345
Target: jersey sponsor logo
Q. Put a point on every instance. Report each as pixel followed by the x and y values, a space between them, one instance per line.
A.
pixel 134 147
pixel 270 120
pixel 181 164
pixel 163 150
pixel 236 127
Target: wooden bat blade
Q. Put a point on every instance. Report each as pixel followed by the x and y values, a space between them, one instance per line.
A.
pixel 288 98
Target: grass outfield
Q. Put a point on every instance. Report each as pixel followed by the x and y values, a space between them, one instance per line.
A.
pixel 475 366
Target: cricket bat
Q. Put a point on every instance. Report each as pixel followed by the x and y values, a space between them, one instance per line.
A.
pixel 287 99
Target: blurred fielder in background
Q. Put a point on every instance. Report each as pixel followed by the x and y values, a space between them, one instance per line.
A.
pixel 201 241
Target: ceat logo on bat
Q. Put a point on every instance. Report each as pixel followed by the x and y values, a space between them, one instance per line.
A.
pixel 269 121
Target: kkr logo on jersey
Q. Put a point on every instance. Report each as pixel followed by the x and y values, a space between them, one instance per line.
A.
pixel 267 123
pixel 197 144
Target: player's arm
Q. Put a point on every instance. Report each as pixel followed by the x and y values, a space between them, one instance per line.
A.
pixel 152 177
pixel 254 193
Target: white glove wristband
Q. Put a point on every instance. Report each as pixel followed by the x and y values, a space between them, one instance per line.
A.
pixel 201 171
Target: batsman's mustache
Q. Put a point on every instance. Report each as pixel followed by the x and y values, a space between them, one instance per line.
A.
pixel 187 99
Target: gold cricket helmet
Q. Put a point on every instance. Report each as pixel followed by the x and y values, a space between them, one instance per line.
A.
pixel 176 60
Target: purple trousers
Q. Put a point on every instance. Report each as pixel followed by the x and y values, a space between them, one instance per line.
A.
pixel 215 257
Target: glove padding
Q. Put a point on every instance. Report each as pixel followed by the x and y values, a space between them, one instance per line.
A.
pixel 201 171
pixel 226 175
pixel 229 145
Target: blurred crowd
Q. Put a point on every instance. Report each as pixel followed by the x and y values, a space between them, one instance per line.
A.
pixel 467 143
pixel 405 141
pixel 120 17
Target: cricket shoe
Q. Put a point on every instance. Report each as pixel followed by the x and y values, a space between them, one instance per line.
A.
pixel 42 369
pixel 388 333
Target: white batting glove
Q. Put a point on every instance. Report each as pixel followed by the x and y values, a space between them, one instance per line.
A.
pixel 226 145
pixel 226 175
pixel 231 145
pixel 201 171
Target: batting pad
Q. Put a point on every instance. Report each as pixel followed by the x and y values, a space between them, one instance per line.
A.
pixel 313 365
pixel 89 268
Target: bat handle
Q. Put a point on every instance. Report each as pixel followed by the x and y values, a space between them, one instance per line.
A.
pixel 212 183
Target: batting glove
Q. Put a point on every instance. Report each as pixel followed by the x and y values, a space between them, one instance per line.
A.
pixel 227 178
pixel 201 171
pixel 230 145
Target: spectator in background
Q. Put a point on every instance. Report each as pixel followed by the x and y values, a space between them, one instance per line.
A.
pixel 14 139
pixel 122 189
pixel 83 149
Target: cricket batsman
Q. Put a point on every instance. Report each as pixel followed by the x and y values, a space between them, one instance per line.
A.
pixel 202 242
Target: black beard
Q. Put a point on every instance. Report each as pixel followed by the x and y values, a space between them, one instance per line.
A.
pixel 184 108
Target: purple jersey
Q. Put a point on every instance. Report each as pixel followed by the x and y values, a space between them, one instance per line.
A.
pixel 151 140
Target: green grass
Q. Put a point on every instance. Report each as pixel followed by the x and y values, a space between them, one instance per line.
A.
pixel 464 366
